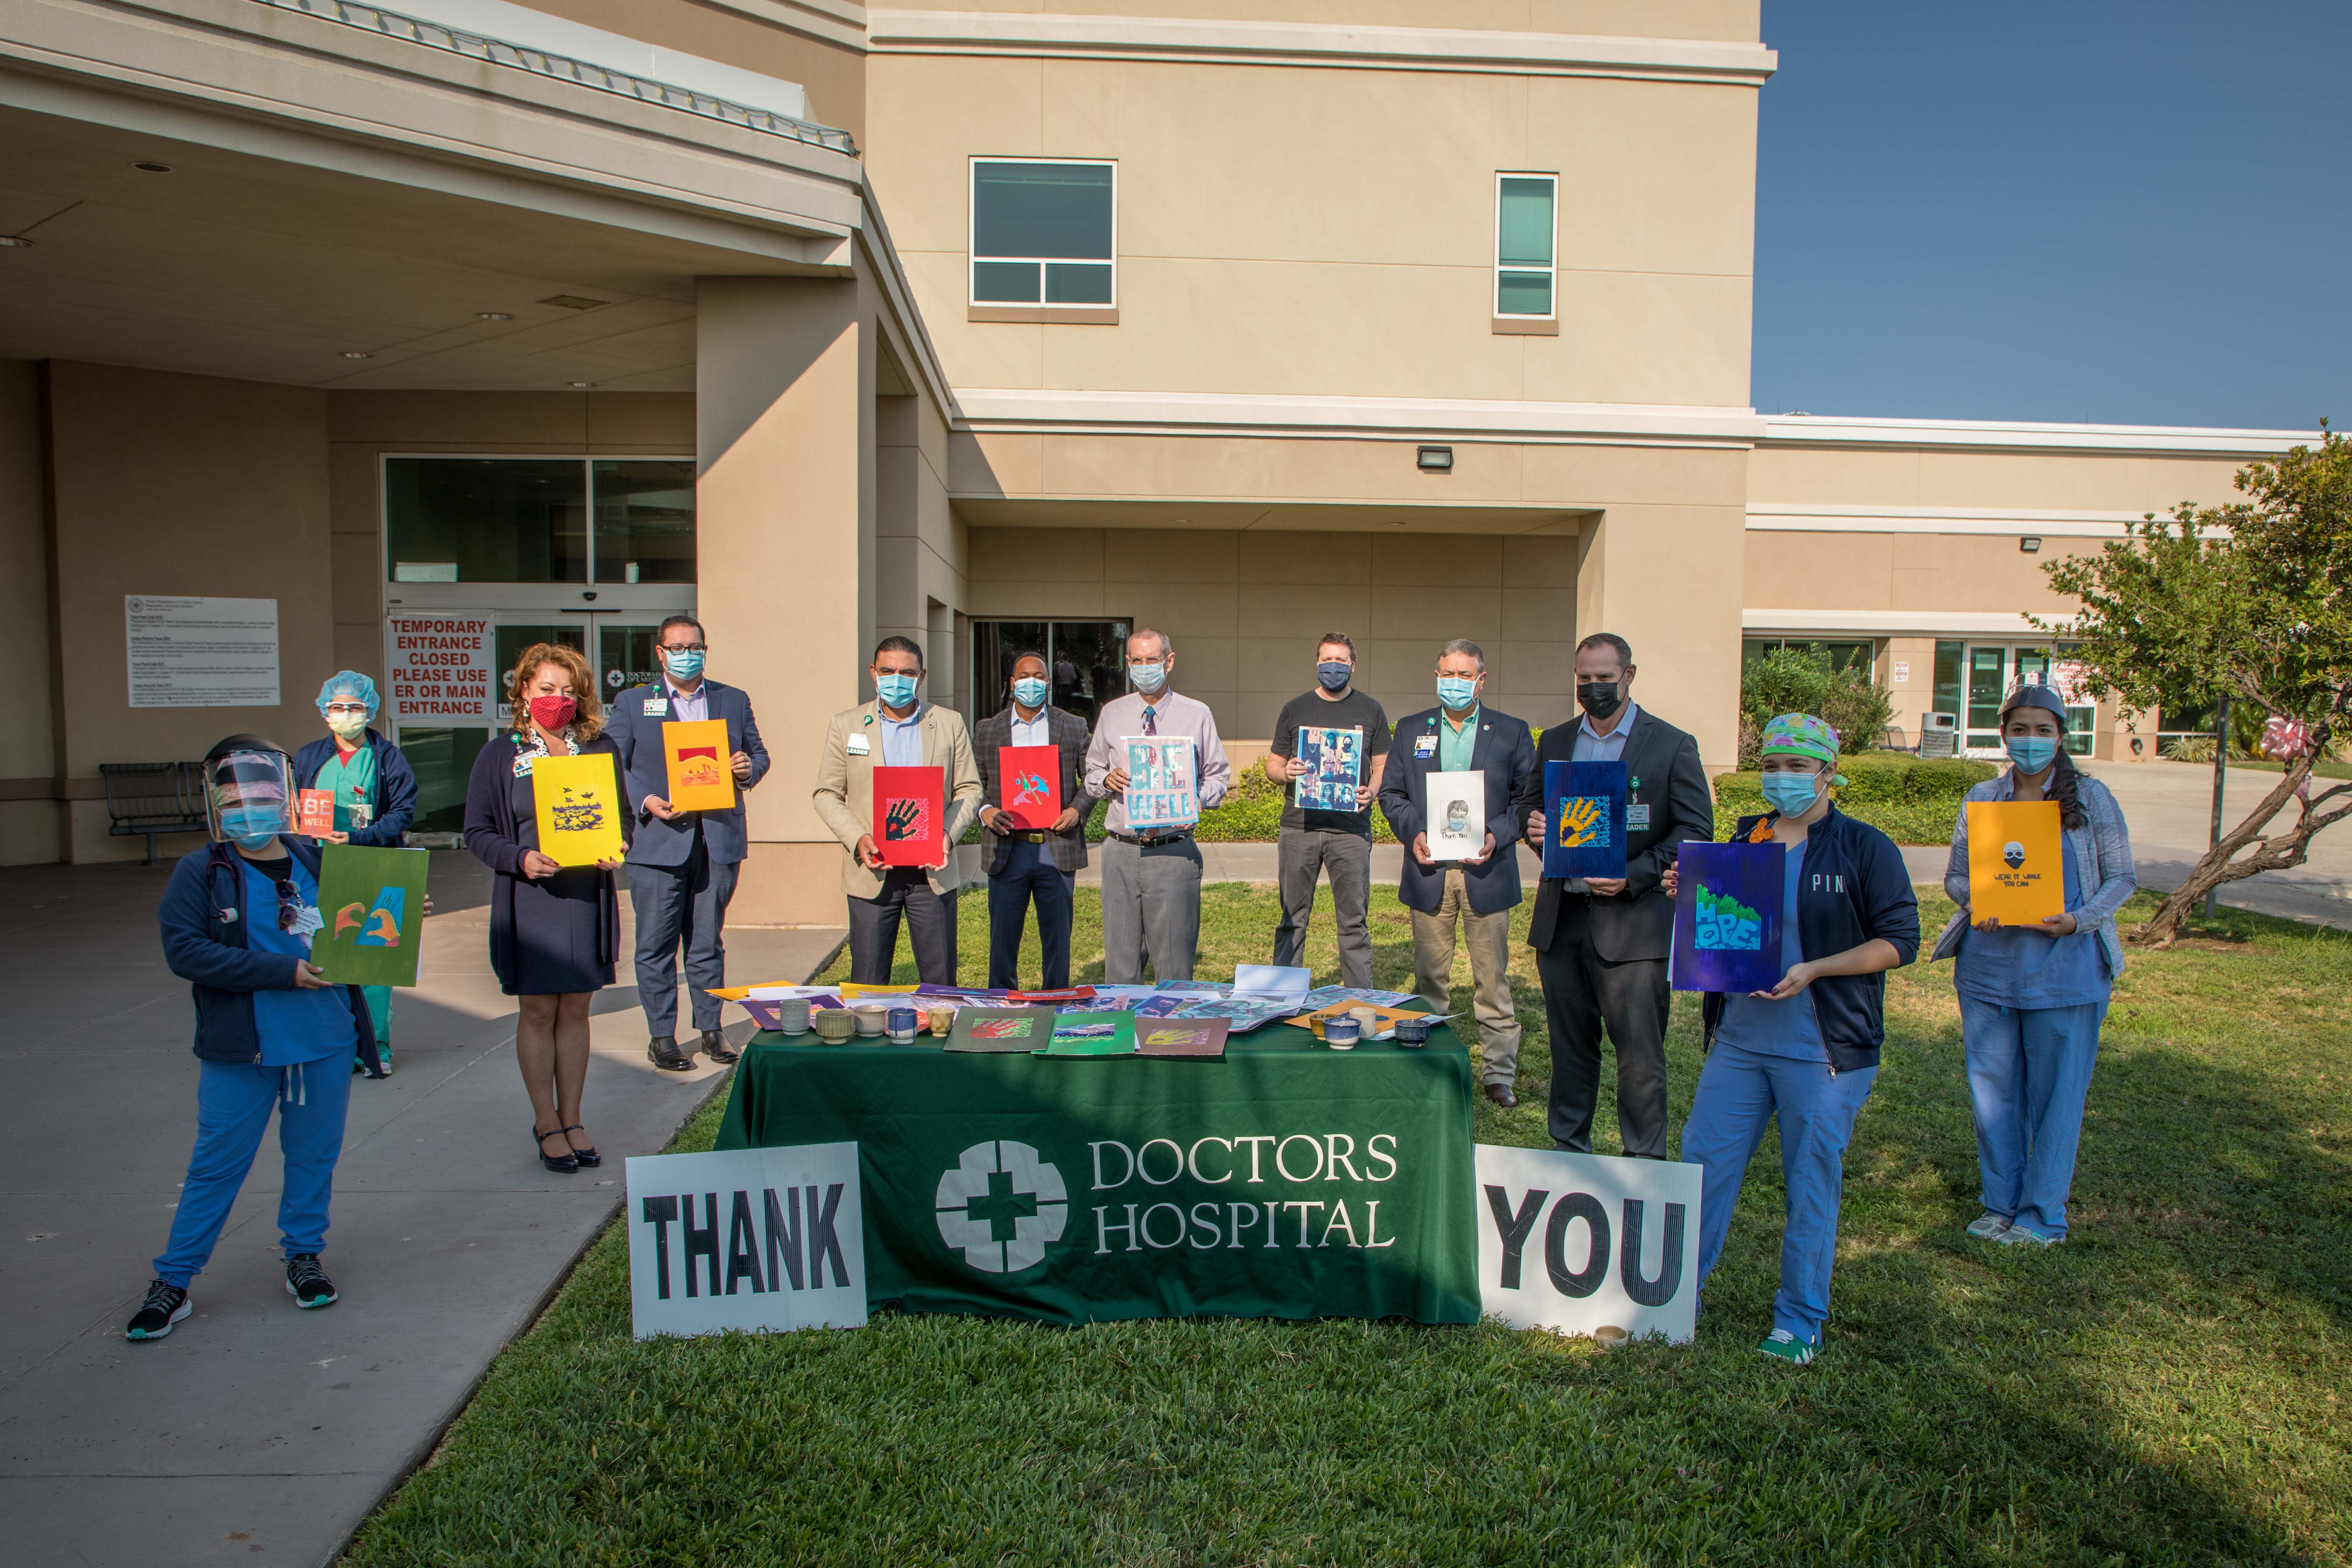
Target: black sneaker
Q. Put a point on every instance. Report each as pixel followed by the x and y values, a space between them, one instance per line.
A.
pixel 165 1305
pixel 308 1283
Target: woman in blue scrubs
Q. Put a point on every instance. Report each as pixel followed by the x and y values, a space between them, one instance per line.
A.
pixel 1807 1050
pixel 2033 997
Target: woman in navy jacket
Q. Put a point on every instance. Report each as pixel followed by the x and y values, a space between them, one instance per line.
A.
pixel 236 922
pixel 555 931
pixel 1807 1050
pixel 374 791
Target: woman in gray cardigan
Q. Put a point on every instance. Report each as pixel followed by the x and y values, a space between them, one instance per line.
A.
pixel 2033 997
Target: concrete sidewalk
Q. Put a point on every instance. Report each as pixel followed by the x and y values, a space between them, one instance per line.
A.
pixel 256 1433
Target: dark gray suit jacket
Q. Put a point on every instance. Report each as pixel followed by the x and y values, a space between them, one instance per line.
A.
pixel 644 771
pixel 1662 768
pixel 1070 737
pixel 1504 752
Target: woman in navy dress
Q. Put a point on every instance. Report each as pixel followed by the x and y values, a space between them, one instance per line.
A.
pixel 555 931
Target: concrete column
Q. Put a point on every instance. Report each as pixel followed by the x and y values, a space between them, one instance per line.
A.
pixel 1669 581
pixel 784 403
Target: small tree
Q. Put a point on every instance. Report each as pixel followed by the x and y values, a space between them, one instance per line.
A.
pixel 1793 679
pixel 2250 601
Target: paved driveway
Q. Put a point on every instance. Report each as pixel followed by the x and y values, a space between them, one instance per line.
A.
pixel 256 1433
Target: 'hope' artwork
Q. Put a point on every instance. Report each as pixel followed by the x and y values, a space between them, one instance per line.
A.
pixel 1727 917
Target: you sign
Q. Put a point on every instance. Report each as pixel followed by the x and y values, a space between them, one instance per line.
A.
pixel 1583 1242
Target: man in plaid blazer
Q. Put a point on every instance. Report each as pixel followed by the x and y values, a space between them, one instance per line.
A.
pixel 1023 864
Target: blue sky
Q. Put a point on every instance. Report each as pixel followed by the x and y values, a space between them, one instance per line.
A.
pixel 2066 210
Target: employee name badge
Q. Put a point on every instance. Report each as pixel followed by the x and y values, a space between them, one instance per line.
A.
pixel 307 920
pixel 657 707
pixel 523 764
pixel 859 746
pixel 1636 817
pixel 1424 746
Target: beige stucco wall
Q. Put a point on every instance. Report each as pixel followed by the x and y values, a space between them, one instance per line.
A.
pixel 181 484
pixel 1260 246
pixel 832 74
pixel 2010 479
pixel 1245 608
pixel 29 817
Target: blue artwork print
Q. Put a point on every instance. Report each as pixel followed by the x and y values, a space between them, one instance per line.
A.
pixel 383 928
pixel 1584 819
pixel 1727 917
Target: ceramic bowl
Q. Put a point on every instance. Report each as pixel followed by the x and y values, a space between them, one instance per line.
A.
pixel 1412 1031
pixel 871 1020
pixel 1341 1034
pixel 834 1025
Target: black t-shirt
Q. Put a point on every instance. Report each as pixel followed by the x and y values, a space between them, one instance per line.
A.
pixel 1311 712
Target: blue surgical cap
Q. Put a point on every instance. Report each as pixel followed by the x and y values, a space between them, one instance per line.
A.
pixel 349 686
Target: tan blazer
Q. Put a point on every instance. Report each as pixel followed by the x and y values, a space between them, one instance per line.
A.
pixel 845 787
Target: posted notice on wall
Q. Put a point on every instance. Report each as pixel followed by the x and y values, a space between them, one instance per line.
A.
pixel 747 1239
pixel 438 667
pixel 1577 1243
pixel 188 652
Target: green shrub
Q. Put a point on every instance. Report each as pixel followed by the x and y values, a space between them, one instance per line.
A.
pixel 1911 800
pixel 1805 681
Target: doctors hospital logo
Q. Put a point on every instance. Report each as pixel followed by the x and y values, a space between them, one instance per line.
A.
pixel 1000 1205
pixel 2013 853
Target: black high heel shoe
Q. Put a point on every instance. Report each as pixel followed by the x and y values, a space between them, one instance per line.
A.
pixel 562 1165
pixel 587 1157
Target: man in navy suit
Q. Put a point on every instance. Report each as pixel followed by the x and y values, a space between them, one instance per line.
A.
pixel 682 864
pixel 1475 893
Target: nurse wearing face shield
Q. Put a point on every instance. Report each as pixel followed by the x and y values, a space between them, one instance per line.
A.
pixel 374 790
pixel 236 922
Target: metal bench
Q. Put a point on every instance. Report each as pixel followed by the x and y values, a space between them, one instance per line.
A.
pixel 1890 738
pixel 152 798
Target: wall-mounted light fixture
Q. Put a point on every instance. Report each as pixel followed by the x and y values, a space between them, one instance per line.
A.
pixel 2030 544
pixel 1435 459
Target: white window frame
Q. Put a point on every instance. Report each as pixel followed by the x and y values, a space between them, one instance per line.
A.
pixel 1551 270
pixel 972 259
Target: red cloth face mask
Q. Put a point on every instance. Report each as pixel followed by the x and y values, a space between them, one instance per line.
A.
pixel 553 712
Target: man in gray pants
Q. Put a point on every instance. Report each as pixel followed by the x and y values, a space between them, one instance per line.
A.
pixel 1338 764
pixel 1151 877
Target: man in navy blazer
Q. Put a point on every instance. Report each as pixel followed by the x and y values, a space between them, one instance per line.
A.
pixel 1475 893
pixel 682 864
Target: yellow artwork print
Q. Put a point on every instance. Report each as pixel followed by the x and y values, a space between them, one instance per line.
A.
pixel 1583 821
pixel 578 801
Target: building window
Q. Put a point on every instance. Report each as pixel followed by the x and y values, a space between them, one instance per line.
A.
pixel 1085 663
pixel 538 519
pixel 1524 222
pixel 1043 234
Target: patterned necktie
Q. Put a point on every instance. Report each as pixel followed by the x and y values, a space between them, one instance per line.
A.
pixel 1150 726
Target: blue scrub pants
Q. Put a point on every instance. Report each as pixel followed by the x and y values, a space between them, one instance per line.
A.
pixel 233 1101
pixel 1739 1093
pixel 2029 1074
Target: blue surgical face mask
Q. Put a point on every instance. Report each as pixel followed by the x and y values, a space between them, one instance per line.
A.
pixel 1791 794
pixel 1029 692
pixel 251 827
pixel 1147 678
pixel 1456 692
pixel 896 690
pixel 1335 674
pixel 2032 753
pixel 684 663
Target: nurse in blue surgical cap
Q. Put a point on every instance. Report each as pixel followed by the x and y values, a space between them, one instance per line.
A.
pixel 375 793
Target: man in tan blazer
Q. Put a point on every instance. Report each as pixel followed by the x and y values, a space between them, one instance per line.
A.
pixel 897 729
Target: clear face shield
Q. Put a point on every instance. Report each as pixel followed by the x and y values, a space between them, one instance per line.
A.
pixel 249 796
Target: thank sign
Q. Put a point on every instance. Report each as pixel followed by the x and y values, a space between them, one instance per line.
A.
pixel 750 1238
pixel 1583 1242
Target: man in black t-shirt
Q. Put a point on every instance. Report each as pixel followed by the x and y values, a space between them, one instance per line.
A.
pixel 1334 834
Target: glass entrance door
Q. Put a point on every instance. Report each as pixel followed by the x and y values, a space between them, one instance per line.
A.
pixel 1987 683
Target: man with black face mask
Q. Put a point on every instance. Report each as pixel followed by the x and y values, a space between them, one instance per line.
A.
pixel 1601 943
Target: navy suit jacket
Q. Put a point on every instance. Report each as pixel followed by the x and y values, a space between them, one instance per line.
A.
pixel 1504 752
pixel 637 735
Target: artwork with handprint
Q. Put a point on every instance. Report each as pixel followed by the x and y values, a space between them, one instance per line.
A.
pixel 1584 827
pixel 908 805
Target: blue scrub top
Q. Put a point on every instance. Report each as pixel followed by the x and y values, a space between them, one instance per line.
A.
pixel 1789 1028
pixel 2011 968
pixel 301 1025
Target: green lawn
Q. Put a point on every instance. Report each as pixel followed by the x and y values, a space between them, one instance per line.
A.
pixel 2167 1387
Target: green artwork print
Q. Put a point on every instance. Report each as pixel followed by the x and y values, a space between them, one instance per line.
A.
pixel 372 907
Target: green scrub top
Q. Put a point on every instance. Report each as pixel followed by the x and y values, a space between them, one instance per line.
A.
pixel 353 779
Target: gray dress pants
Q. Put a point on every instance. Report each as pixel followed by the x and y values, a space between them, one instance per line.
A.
pixel 1152 908
pixel 676 903
pixel 931 930
pixel 1301 856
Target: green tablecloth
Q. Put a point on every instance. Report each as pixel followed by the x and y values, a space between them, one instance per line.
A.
pixel 1285 1181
